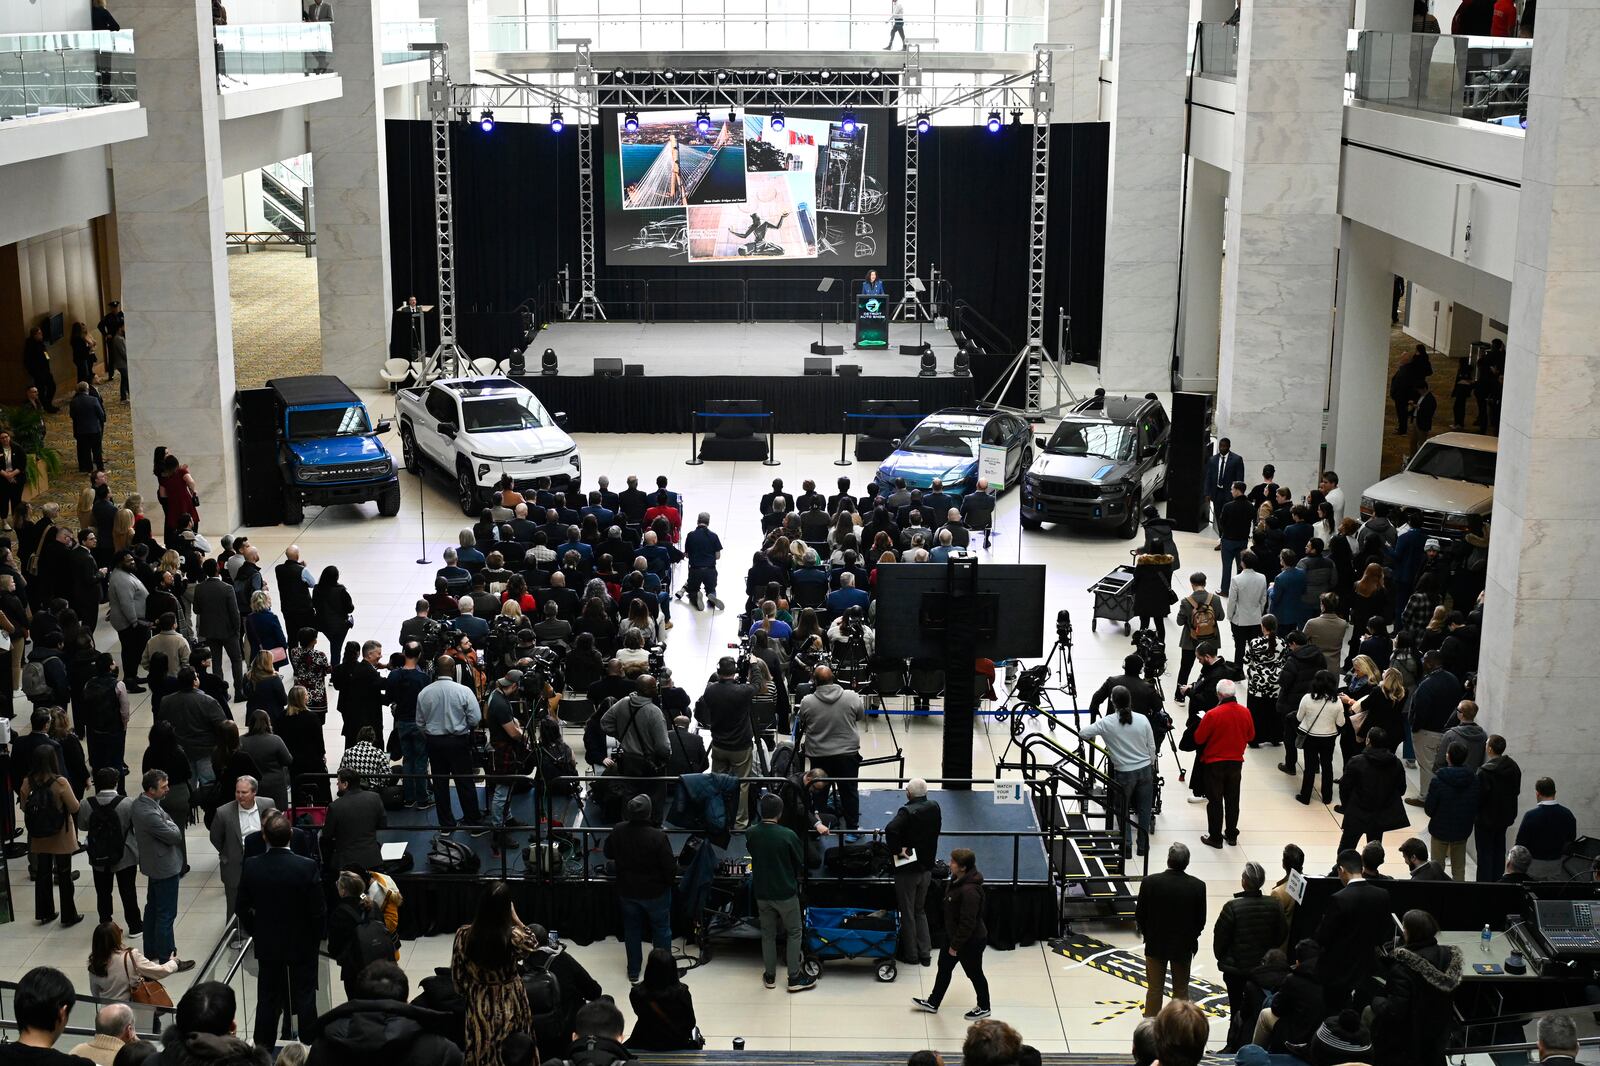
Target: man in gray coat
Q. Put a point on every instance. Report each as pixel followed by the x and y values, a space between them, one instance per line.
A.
pixel 217 624
pixel 828 720
pixel 160 844
pixel 232 823
pixel 194 717
pixel 641 732
pixel 126 595
pixel 124 867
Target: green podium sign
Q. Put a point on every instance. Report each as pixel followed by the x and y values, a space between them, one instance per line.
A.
pixel 872 321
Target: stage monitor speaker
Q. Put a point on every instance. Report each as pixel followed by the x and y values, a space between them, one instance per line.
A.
pixel 1186 461
pixel 605 367
pixel 255 413
pixel 735 428
pixel 849 370
pixel 633 370
pixel 818 367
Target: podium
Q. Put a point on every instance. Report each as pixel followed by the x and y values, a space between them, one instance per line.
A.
pixel 872 321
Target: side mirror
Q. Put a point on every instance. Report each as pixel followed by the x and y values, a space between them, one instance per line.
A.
pixel 895 443
pixel 1041 443
pixel 447 429
pixel 384 426
pixel 560 419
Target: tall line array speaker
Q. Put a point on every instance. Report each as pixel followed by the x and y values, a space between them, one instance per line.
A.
pixel 260 483
pixel 1186 461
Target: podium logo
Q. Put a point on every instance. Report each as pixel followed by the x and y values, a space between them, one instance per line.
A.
pixel 874 306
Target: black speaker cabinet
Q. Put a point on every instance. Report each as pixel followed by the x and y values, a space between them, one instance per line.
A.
pixel 818 367
pixel 1186 460
pixel 607 368
pixel 849 370
pixel 260 483
pixel 255 412
pixel 633 370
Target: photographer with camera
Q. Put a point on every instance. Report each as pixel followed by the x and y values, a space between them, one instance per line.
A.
pixel 828 721
pixel 510 752
pixel 725 708
pixel 850 638
pixel 641 733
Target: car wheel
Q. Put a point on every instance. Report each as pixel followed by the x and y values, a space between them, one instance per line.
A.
pixel 294 511
pixel 466 490
pixel 1130 525
pixel 408 451
pixel 389 502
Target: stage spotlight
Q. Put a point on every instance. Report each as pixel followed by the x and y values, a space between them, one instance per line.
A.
pixel 876 74
pixel 515 362
pixel 630 122
pixel 733 117
pixel 824 74
pixel 994 122
pixel 668 75
pixel 772 75
pixel 463 116
pixel 722 75
pixel 1016 118
pixel 557 123
pixel 928 366
pixel 847 123
pixel 776 121
pixel 486 121
pixel 963 368
pixel 702 122
pixel 924 122
pixel 547 364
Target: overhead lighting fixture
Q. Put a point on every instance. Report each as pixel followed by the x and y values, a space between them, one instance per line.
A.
pixel 463 116
pixel 772 75
pixel 924 122
pixel 668 75
pixel 994 122
pixel 847 123
pixel 486 121
pixel 619 74
pixel 876 74
pixel 630 122
pixel 722 75
pixel 824 74
pixel 733 117
pixel 776 121
pixel 702 122
pixel 557 123
pixel 1016 118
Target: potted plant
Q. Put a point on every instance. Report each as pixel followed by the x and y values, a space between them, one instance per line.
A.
pixel 28 435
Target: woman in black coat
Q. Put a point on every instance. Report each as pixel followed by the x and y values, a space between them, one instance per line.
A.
pixel 1299 1005
pixel 1372 791
pixel 333 607
pixel 663 1009
pixel 1152 590
pixel 1413 1018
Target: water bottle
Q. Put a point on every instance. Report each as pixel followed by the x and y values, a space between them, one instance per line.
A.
pixel 1486 937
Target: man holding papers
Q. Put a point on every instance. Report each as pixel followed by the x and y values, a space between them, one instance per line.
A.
pixel 913 838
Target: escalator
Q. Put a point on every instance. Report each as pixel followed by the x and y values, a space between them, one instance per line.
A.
pixel 283 207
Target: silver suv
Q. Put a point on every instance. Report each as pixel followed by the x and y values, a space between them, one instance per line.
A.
pixel 1450 477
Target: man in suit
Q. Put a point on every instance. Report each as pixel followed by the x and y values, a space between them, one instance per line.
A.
pixel 842 498
pixel 11 476
pixel 1356 922
pixel 1222 470
pixel 1558 1040
pixel 294 594
pixel 977 510
pixel 1170 914
pixel 230 826
pixel 217 623
pixel 686 749
pixel 281 904
pixel 353 823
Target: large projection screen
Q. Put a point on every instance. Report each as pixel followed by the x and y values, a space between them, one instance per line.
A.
pixel 744 192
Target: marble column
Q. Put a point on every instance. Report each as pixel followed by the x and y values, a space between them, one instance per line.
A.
pixel 1142 223
pixel 1537 672
pixel 1077 23
pixel 170 227
pixel 1200 316
pixel 351 188
pixel 453 19
pixel 1360 390
pixel 1282 235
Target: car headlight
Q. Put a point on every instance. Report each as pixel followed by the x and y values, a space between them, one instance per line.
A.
pixel 1113 490
pixel 574 461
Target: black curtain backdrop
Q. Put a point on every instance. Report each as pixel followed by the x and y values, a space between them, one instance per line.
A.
pixel 516 218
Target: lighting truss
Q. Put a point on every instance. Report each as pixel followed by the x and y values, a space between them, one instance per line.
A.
pixel 447 359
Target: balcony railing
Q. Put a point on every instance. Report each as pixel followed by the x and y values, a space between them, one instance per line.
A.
pixel 251 56
pixel 398 37
pixel 51 73
pixel 1216 52
pixel 818 25
pixel 1482 78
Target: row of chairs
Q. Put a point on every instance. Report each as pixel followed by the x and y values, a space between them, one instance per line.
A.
pixel 399 373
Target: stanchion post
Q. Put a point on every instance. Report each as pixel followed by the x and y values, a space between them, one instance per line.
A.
pixel 844 433
pixel 422 520
pixel 772 444
pixel 694 453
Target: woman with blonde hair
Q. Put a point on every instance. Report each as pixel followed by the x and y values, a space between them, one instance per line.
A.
pixel 301 731
pixel 74 767
pixel 264 631
pixel 86 507
pixel 122 529
pixel 264 689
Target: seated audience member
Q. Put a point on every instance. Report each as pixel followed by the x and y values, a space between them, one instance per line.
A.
pixel 597 1035
pixel 40 1004
pixel 203 1030
pixel 577 989
pixel 663 1009
pixel 991 1042
pixel 113 1031
pixel 380 1028
pixel 1181 1032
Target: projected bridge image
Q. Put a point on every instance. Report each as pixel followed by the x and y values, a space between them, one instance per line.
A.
pixel 668 163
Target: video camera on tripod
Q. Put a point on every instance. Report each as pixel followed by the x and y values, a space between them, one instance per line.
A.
pixel 1153 651
pixel 741 657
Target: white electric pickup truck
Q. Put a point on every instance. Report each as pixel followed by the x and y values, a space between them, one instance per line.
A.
pixel 478 430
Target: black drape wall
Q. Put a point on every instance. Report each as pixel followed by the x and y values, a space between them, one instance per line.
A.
pixel 516 217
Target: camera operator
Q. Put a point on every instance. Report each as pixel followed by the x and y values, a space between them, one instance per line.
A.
pixel 725 708
pixel 673 700
pixel 509 747
pixel 828 721
pixel 849 636
pixel 803 798
pixel 1144 698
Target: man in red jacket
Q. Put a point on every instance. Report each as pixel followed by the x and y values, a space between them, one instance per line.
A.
pixel 1221 737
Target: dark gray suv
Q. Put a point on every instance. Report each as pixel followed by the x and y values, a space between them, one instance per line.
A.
pixel 1102 463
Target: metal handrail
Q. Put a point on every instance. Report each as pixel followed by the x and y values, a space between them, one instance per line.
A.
pixel 964 315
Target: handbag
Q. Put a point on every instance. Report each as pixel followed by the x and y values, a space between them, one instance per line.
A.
pixel 1303 731
pixel 279 656
pixel 146 990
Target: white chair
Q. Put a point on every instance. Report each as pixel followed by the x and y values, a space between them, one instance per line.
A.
pixel 396 372
pixel 483 366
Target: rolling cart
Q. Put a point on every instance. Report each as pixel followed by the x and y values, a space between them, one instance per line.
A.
pixel 1113 598
pixel 828 938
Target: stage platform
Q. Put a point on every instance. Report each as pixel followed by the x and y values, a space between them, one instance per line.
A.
pixel 1021 901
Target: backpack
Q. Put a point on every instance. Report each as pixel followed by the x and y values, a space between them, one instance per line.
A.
pixel 544 996
pixel 106 840
pixel 101 711
pixel 1202 617
pixel 555 765
pixel 371 943
pixel 448 856
pixel 858 860
pixel 35 682
pixel 43 814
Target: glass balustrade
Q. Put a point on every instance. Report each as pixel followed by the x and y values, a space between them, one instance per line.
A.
pixel 1217 51
pixel 251 56
pixel 52 73
pixel 1480 78
pixel 397 38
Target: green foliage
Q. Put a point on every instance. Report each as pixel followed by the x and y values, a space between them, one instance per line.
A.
pixel 28 434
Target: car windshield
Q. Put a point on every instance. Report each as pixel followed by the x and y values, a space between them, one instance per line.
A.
pixel 501 414
pixel 1457 464
pixel 1100 439
pixel 943 439
pixel 311 423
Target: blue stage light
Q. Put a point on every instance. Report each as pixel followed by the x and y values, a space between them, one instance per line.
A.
pixel 486 121
pixel 702 122
pixel 776 121
pixel 847 123
pixel 924 123
pixel 630 122
pixel 557 123
pixel 994 122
